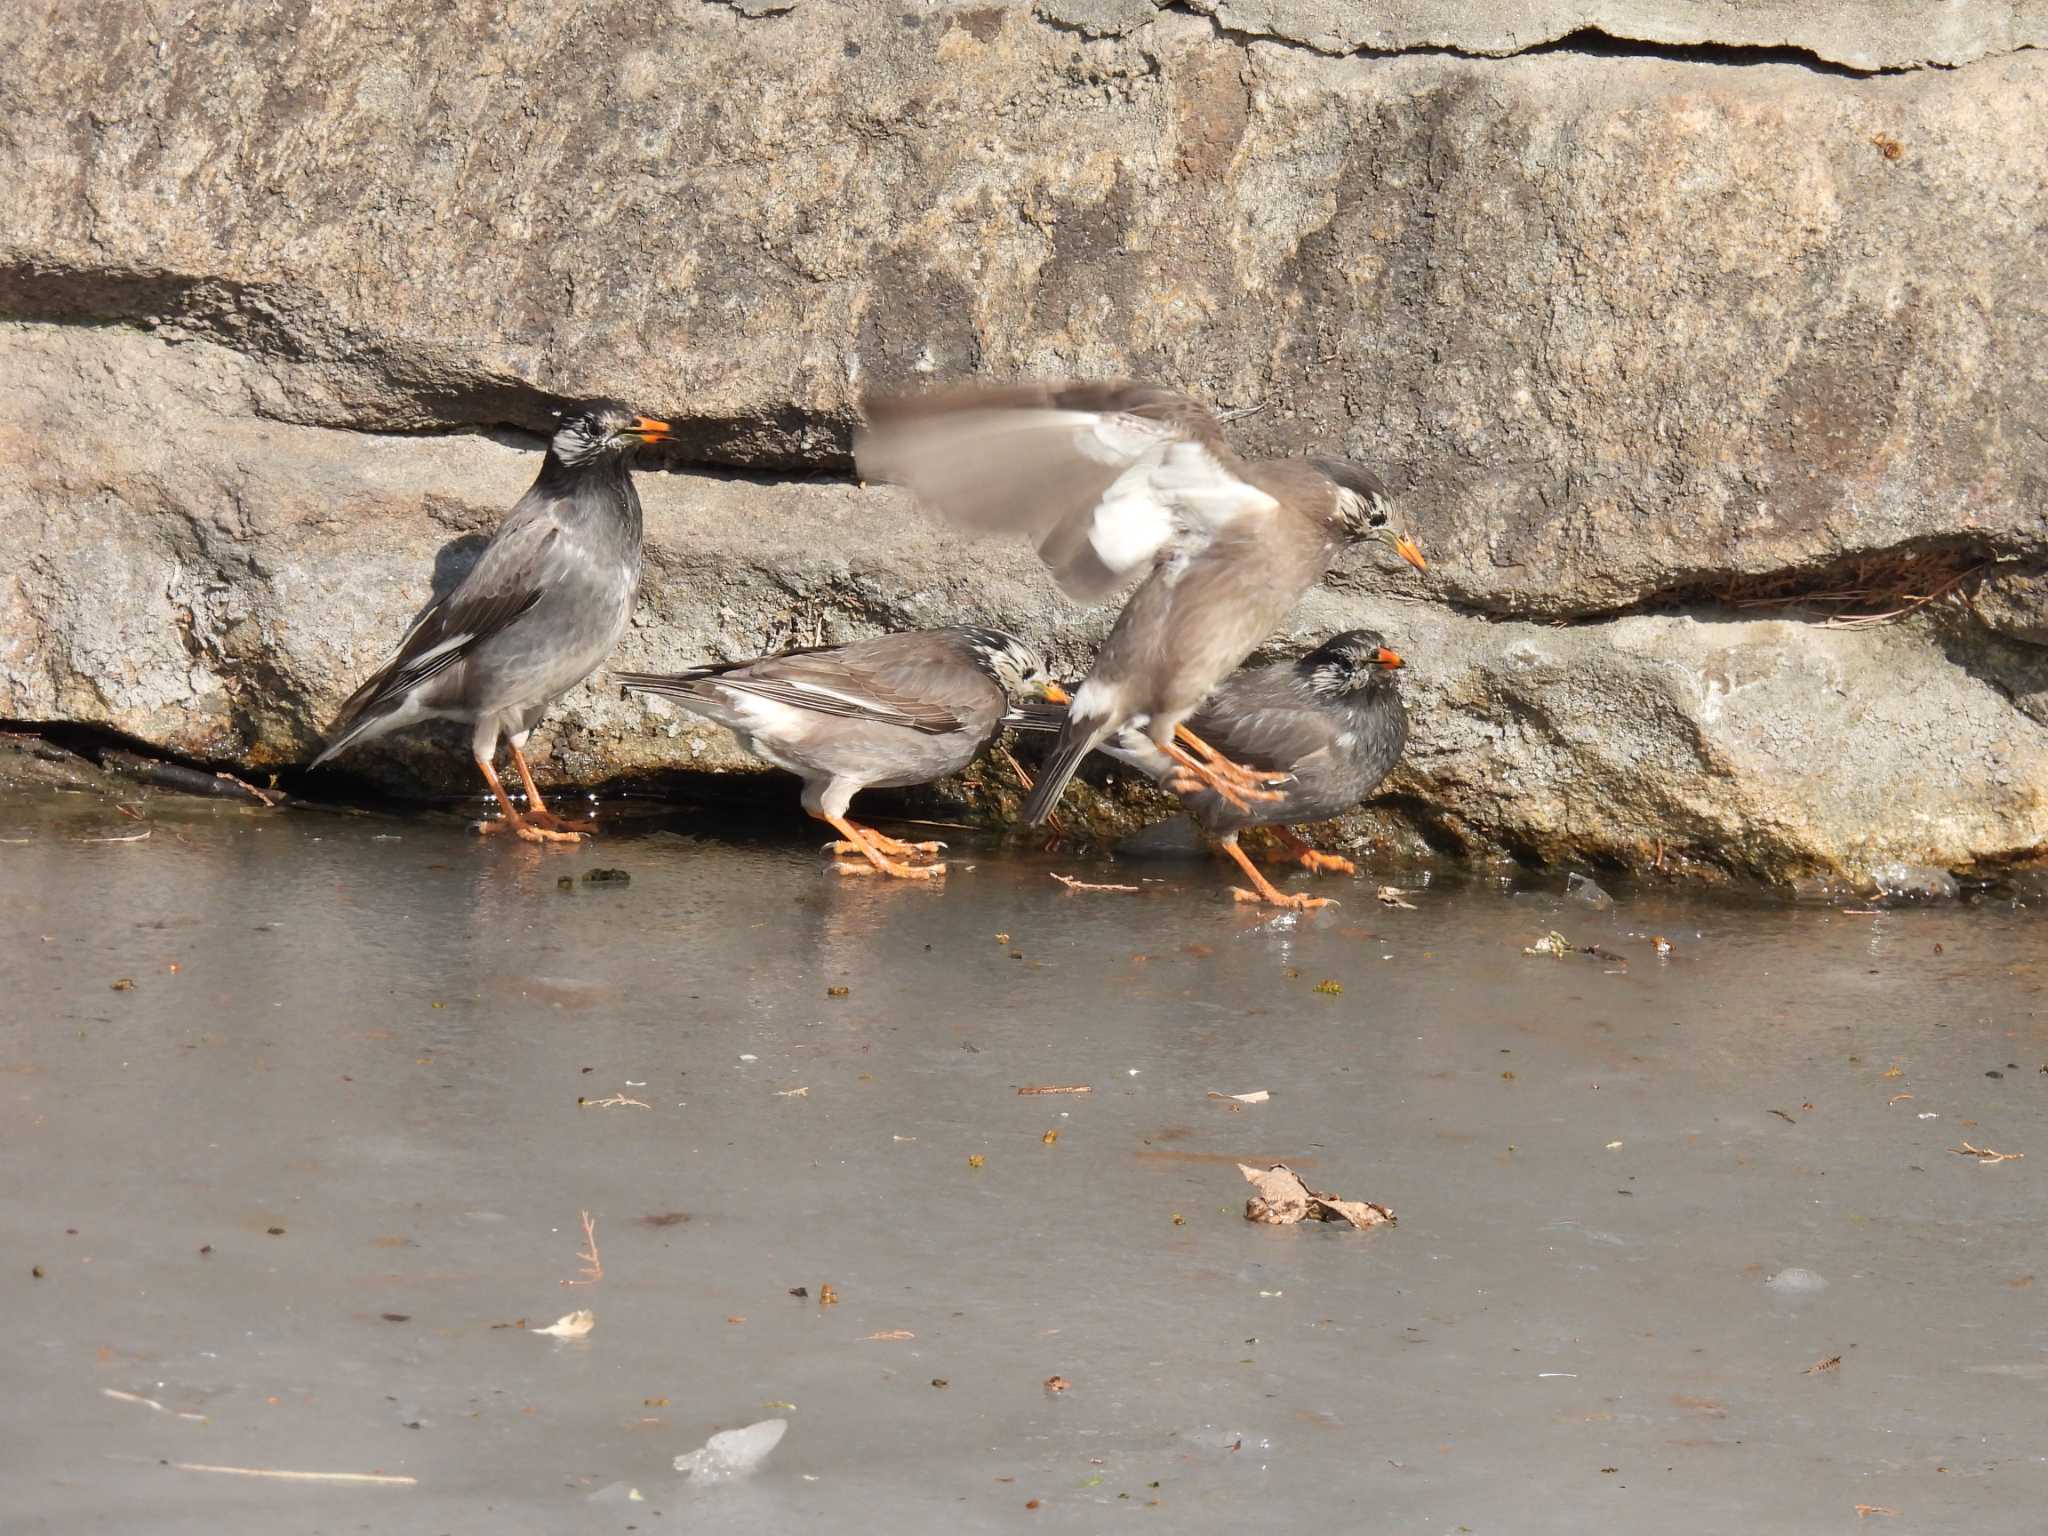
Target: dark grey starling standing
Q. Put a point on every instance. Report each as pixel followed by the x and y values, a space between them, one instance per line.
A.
pixel 875 714
pixel 1117 478
pixel 1332 722
pixel 538 613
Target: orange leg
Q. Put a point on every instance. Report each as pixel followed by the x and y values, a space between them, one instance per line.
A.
pixel 1237 794
pixel 537 812
pixel 1263 890
pixel 513 820
pixel 1311 858
pixel 856 841
pixel 1237 773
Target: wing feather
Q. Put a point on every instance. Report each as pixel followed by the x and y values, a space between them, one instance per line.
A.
pixel 819 681
pixel 507 580
pixel 1108 478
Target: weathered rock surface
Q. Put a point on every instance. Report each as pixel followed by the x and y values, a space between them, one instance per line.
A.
pixel 1643 335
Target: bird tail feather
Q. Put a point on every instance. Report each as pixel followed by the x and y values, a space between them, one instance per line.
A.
pixel 345 733
pixel 668 685
pixel 1078 737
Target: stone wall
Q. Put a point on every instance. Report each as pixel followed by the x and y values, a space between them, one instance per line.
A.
pixel 1671 323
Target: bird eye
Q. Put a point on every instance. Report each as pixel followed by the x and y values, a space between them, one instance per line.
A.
pixel 1377 517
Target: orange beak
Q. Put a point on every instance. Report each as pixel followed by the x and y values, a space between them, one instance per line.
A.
pixel 1406 548
pixel 1387 658
pixel 647 429
pixel 1053 693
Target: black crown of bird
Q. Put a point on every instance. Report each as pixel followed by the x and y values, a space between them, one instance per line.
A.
pixel 1120 482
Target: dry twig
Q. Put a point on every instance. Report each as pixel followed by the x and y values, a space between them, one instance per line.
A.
pixel 593 1266
pixel 247 788
pixel 371 1479
pixel 1986 1154
pixel 1085 885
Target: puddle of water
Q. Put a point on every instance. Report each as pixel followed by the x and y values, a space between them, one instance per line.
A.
pixel 341 1127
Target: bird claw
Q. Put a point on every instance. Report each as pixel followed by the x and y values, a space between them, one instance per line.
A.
pixel 1297 901
pixel 1241 796
pixel 533 834
pixel 891 868
pixel 1326 863
pixel 880 844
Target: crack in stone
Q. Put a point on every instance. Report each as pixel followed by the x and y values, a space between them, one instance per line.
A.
pixel 1597 39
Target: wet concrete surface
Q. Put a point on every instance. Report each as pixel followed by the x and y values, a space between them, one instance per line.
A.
pixel 294 1182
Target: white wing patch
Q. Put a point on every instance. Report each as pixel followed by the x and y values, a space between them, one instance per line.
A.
pixel 1203 492
pixel 1180 487
pixel 804 686
pixel 764 717
pixel 1130 524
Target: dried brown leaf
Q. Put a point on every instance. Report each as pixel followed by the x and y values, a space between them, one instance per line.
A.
pixel 1283 1199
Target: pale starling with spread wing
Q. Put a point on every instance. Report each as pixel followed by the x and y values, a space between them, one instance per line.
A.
pixel 884 713
pixel 1117 479
pixel 538 613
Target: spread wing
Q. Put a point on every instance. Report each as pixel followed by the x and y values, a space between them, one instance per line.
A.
pixel 821 682
pixel 507 579
pixel 1107 477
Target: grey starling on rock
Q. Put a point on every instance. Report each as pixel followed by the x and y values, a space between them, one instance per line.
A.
pixel 1114 479
pixel 1331 721
pixel 882 713
pixel 538 613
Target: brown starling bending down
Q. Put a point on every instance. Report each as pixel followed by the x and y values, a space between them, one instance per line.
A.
pixel 539 611
pixel 1117 478
pixel 883 713
pixel 1332 722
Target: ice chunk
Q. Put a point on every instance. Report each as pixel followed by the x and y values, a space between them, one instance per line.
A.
pixel 734 1453
pixel 1795 1282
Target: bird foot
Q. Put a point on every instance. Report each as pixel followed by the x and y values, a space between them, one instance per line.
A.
pixel 1297 901
pixel 1326 863
pixel 877 865
pixel 550 822
pixel 1241 796
pixel 532 832
pixel 1240 787
pixel 881 843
